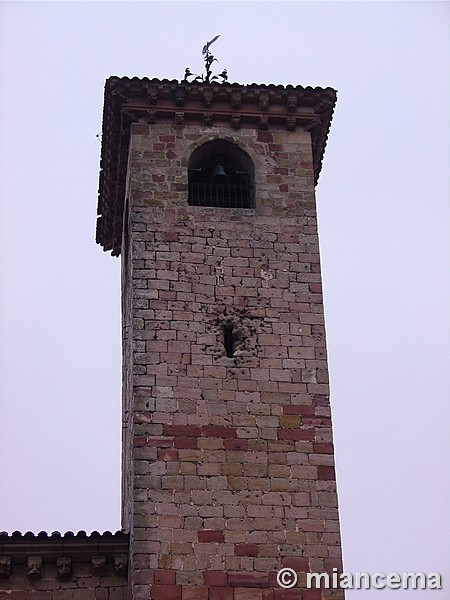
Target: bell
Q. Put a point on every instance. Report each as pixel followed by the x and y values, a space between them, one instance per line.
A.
pixel 219 175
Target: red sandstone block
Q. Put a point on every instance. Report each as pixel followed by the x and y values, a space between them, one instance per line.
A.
pixel 167 454
pixel 219 431
pixel 139 128
pixel 169 236
pixel 248 580
pixel 221 593
pixel 298 409
pixel 325 472
pixel 333 563
pixel 267 594
pixel 312 595
pixel 247 594
pixel 246 550
pixel 296 434
pixel 323 448
pixel 298 563
pixel 215 578
pixel 182 430
pixel 210 535
pixel 164 576
pixel 166 592
pixel 321 400
pixel 189 593
pixel 186 443
pixel 139 441
pixel 293 594
pixel 235 444
pixel 265 136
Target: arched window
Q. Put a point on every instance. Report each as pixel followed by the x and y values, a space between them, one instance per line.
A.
pixel 221 175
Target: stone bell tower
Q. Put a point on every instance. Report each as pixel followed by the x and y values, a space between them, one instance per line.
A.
pixel 207 193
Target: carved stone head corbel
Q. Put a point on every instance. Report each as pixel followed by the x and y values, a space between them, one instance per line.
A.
pixel 207 119
pixel 208 96
pixel 98 564
pixel 263 122
pixel 292 101
pixel 263 100
pixel 5 566
pixel 291 123
pixel 34 567
pixel 235 121
pixel 180 95
pixel 152 95
pixel 120 564
pixel 64 567
pixel 180 118
pixel 236 98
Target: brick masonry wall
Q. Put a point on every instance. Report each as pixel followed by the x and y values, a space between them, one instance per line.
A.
pixel 229 469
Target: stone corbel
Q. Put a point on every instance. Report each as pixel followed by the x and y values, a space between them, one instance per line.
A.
pixel 207 119
pixel 291 123
pixel 263 101
pixel 180 118
pixel 34 567
pixel 150 117
pixel 208 96
pixel 263 122
pixel 98 564
pixel 120 564
pixel 5 566
pixel 310 125
pixel 130 116
pixel 236 121
pixel 322 107
pixel 180 95
pixel 152 94
pixel 119 95
pixel 291 102
pixel 236 98
pixel 64 568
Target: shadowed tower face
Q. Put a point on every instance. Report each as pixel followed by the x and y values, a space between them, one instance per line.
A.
pixel 207 192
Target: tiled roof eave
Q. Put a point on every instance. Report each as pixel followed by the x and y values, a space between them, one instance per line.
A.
pixel 79 547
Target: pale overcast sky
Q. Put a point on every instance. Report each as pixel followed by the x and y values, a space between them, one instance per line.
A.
pixel 383 205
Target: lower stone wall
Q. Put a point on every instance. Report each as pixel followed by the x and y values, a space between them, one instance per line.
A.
pixel 81 586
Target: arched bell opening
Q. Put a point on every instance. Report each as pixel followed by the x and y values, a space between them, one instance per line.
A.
pixel 221 175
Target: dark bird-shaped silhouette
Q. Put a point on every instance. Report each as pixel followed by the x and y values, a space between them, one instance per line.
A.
pixel 224 74
pixel 208 44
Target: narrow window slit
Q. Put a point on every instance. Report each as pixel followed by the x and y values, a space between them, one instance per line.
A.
pixel 228 339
